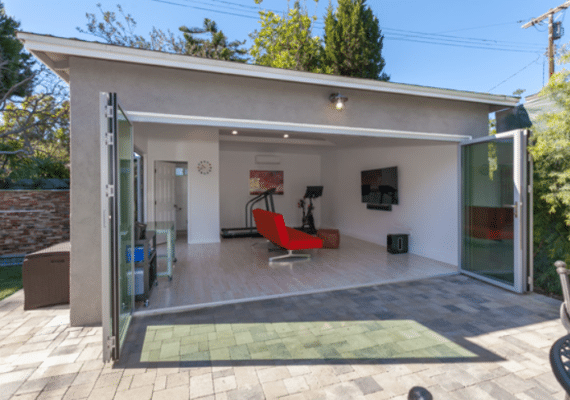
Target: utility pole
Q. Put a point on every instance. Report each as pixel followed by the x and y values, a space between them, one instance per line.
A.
pixel 550 15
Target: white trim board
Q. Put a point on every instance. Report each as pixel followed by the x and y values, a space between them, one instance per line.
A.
pixel 192 307
pixel 149 117
pixel 74 47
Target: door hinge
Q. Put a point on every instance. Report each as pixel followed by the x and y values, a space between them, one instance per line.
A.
pixel 111 343
pixel 109 112
pixel 109 138
pixel 110 190
pixel 529 189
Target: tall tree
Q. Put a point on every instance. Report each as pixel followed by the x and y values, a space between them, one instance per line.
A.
pixel 287 42
pixel 353 41
pixel 16 74
pixel 551 154
pixel 119 29
pixel 217 46
pixel 114 31
pixel 35 138
pixel 23 114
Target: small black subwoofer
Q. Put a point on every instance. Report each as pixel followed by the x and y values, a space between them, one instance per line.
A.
pixel 397 244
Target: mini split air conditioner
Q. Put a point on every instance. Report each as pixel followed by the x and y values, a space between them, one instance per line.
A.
pixel 261 159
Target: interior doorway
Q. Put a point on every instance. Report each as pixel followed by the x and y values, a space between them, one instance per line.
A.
pixel 171 195
pixel 139 185
pixel 181 198
pixel 164 194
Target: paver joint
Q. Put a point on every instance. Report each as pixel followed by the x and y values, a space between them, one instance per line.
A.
pixel 457 337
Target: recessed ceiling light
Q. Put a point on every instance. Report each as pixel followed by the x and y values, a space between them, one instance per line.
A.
pixel 234 132
pixel 285 136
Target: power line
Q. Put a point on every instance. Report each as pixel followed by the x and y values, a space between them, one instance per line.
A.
pixel 248 9
pixel 481 27
pixel 462 38
pixel 550 16
pixel 398 34
pixel 419 40
pixel 234 6
pixel 516 73
pixel 238 4
pixel 205 9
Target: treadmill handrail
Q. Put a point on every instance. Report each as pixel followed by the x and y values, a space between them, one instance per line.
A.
pixel 259 196
pixel 256 199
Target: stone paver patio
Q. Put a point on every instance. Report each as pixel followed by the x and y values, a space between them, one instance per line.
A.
pixel 456 336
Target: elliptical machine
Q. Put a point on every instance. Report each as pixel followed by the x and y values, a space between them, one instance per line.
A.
pixel 311 193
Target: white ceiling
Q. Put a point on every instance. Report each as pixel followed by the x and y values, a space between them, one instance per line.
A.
pixel 328 142
pixel 273 141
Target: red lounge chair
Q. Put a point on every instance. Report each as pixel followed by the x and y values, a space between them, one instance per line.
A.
pixel 272 227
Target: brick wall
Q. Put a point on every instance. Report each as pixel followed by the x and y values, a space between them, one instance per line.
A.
pixel 32 220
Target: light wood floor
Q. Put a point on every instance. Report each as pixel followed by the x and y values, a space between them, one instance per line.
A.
pixel 238 269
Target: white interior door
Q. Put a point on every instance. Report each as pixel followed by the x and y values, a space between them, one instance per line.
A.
pixel 164 193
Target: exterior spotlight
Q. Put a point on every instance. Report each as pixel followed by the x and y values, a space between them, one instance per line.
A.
pixel 286 136
pixel 338 100
pixel 234 132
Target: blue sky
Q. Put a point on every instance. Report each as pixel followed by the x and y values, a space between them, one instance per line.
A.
pixel 465 45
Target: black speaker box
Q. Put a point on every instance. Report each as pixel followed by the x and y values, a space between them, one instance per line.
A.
pixel 397 244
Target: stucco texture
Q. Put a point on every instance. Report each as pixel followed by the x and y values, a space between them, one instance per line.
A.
pixel 182 92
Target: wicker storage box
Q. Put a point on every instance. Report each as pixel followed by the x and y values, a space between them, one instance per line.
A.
pixel 331 238
pixel 45 275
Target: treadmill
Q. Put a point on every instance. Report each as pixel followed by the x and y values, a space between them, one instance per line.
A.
pixel 250 230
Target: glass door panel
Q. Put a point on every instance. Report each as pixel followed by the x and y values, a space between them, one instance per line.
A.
pixel 125 193
pixel 495 210
pixel 488 210
pixel 117 225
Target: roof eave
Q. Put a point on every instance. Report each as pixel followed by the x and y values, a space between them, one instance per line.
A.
pixel 38 44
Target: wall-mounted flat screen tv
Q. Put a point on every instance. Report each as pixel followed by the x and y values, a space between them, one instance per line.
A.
pixel 380 186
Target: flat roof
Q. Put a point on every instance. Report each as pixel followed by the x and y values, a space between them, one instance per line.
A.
pixel 54 52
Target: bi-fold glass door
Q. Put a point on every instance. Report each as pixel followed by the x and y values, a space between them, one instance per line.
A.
pixel 495 214
pixel 117 212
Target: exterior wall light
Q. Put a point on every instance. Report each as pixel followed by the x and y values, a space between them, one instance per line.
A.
pixel 338 100
pixel 286 136
pixel 234 132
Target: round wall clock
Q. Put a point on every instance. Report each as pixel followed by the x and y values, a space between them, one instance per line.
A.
pixel 204 167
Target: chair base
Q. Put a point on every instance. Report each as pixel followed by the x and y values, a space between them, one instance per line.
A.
pixel 287 256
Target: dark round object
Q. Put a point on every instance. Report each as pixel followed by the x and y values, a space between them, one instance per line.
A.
pixel 419 393
pixel 560 361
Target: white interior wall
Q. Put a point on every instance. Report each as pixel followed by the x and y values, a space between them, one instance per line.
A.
pixel 428 197
pixel 428 186
pixel 329 207
pixel 198 144
pixel 299 171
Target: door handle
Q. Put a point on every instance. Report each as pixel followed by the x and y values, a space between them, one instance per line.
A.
pixel 515 208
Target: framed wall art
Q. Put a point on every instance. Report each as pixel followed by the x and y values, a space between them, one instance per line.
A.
pixel 260 181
